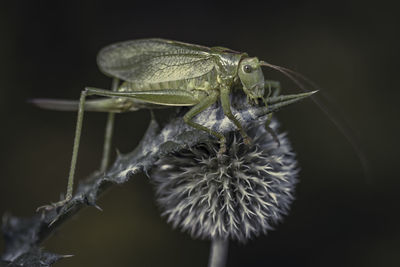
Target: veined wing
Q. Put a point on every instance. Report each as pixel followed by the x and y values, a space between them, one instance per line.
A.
pixel 155 60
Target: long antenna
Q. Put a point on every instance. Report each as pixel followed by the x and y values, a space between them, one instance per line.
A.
pixel 340 123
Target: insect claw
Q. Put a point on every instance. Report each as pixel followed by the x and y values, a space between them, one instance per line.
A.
pixel 273 134
pixel 53 205
pixel 222 149
pixel 45 208
pixel 247 140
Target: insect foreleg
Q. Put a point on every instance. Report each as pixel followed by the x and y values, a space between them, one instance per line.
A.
pixel 202 105
pixel 269 84
pixel 226 106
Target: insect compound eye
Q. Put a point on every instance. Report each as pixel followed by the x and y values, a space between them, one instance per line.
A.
pixel 247 68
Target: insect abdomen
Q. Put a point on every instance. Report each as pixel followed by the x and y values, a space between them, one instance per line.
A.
pixel 205 82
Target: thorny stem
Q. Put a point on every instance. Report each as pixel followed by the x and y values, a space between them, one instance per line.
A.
pixel 218 252
pixel 48 229
pixel 27 233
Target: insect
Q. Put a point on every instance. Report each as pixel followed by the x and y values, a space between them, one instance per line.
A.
pixel 158 72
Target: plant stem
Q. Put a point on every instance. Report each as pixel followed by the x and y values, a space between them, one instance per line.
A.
pixel 218 252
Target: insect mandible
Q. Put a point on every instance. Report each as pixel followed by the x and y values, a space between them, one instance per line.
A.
pixel 158 72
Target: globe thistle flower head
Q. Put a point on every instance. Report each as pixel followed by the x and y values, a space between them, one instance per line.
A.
pixel 238 195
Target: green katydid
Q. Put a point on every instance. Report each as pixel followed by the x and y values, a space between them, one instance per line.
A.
pixel 157 72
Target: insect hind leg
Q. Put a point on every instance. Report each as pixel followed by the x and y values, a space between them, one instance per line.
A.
pixel 78 131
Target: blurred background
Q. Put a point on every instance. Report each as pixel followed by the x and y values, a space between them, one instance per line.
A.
pixel 339 218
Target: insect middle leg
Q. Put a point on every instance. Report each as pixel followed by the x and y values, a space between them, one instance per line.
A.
pixel 108 133
pixel 173 97
pixel 226 106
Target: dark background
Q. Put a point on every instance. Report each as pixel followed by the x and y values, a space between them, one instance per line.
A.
pixel 351 49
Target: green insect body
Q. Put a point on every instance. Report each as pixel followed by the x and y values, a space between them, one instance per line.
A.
pixel 157 72
pixel 156 64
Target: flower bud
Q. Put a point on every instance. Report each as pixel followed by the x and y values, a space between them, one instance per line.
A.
pixel 237 195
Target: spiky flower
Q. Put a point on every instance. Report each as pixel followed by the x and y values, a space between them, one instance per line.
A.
pixel 239 195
